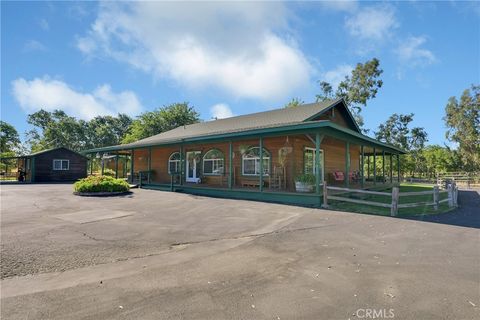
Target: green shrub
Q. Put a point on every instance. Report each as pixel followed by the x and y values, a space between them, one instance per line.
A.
pixel 108 172
pixel 101 184
pixel 306 178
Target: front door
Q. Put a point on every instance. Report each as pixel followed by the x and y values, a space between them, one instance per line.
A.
pixel 192 166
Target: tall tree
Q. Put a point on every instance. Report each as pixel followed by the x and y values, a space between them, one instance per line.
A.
pixel 396 131
pixel 163 119
pixel 462 119
pixel 295 102
pixel 357 88
pixel 57 129
pixel 9 139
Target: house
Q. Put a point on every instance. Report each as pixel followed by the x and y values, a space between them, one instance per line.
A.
pixel 52 165
pixel 258 156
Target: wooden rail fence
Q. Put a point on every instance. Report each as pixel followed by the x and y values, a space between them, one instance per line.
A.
pixel 395 196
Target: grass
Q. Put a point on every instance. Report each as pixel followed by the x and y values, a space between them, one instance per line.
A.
pixel 406 187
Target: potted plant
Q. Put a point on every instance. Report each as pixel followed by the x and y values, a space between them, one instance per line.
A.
pixel 305 182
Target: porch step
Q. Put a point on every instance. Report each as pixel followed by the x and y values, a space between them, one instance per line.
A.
pixel 133 186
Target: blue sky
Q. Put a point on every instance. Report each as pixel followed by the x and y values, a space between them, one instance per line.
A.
pixel 91 58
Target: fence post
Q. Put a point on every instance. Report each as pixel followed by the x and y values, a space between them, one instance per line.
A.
pixel 140 178
pixel 450 195
pixel 325 196
pixel 435 197
pixel 394 209
pixel 455 194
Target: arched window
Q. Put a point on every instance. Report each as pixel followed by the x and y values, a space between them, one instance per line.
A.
pixel 174 163
pixel 213 162
pixel 251 162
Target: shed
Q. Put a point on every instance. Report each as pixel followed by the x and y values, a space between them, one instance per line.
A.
pixel 51 165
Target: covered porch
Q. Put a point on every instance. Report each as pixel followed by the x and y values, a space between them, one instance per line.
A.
pixel 282 165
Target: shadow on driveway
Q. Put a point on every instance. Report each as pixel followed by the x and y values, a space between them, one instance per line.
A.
pixel 467 215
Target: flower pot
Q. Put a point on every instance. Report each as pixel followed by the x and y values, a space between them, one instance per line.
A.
pixel 302 187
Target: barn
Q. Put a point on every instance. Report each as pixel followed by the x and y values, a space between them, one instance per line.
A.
pixel 51 165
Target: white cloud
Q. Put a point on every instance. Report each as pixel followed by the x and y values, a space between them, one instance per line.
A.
pixel 411 52
pixel 231 46
pixel 221 111
pixel 372 23
pixel 335 76
pixel 34 45
pixel 43 23
pixel 49 94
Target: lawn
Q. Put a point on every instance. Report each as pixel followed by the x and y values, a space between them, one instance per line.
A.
pixel 406 187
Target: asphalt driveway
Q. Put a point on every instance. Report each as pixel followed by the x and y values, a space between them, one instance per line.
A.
pixel 162 255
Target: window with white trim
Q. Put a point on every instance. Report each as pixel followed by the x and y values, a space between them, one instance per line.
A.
pixel 174 163
pixel 61 164
pixel 213 162
pixel 251 162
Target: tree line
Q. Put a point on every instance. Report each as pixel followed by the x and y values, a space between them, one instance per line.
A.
pixel 462 120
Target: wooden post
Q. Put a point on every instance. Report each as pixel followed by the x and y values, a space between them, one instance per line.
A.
pixel 368 167
pixel 347 164
pixel 362 173
pixel 374 166
pixel 394 209
pixel 182 164
pixel 149 164
pixel 230 165
pixel 391 169
pixel 132 168
pixel 116 166
pixel 398 167
pixel 383 167
pixel 140 178
pixel 261 164
pixel 455 194
pixel 435 197
pixel 450 195
pixel 171 182
pixel 103 165
pixel 316 164
pixel 325 195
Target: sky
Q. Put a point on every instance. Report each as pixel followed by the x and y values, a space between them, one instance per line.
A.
pixel 233 58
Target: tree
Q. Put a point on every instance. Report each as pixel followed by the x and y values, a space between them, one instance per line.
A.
pixel 160 120
pixel 9 139
pixel 396 131
pixel 462 119
pixel 57 129
pixel 357 88
pixel 295 102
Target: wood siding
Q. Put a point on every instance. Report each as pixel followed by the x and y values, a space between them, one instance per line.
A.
pixel 44 166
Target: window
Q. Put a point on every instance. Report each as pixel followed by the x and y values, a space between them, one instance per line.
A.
pixel 251 162
pixel 213 162
pixel 174 163
pixel 309 163
pixel 61 164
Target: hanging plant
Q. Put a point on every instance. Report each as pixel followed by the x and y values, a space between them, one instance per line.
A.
pixel 243 148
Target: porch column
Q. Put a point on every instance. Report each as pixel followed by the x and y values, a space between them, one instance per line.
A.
pixel 362 175
pixel 91 163
pixel 103 165
pixel 32 169
pixel 182 164
pixel 230 165
pixel 132 157
pixel 261 164
pixel 149 164
pixel 347 164
pixel 116 166
pixel 383 166
pixel 374 166
pixel 317 162
pixel 368 167
pixel 398 167
pixel 391 168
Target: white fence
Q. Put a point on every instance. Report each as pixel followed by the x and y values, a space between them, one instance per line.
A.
pixel 395 196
